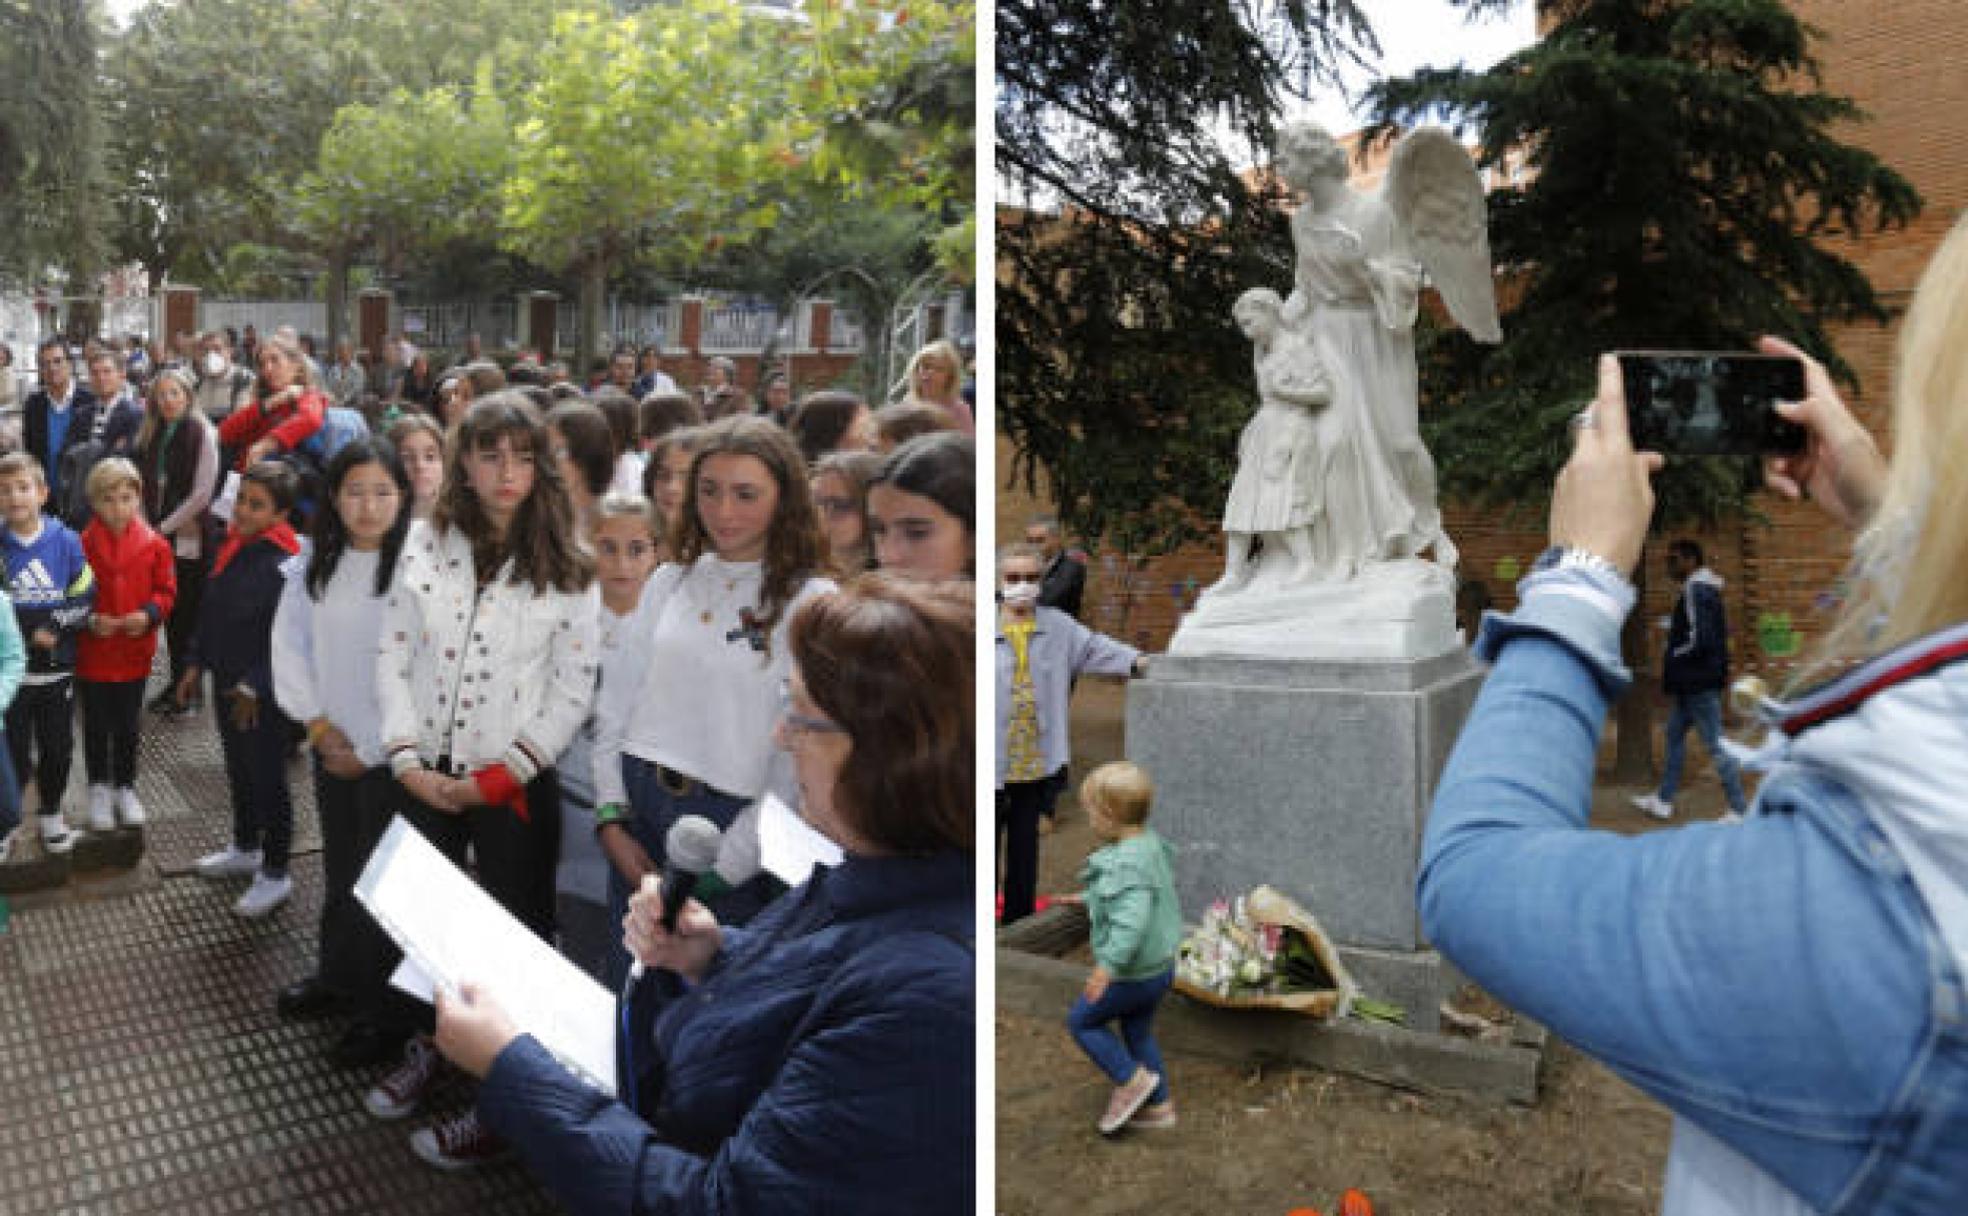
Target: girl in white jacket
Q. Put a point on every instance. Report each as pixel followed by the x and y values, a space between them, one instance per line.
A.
pixel 486 670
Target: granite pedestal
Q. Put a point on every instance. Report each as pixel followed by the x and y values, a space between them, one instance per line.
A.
pixel 1313 776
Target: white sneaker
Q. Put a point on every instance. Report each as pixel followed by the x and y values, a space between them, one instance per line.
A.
pixel 101 817
pixel 229 862
pixel 130 812
pixel 264 896
pixel 1651 803
pixel 55 836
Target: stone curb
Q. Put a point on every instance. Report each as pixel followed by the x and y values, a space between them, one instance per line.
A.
pixel 1428 1063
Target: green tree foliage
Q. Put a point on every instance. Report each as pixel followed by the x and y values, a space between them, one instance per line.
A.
pixel 1120 374
pixel 52 202
pixel 218 106
pixel 899 89
pixel 1677 183
pixel 1680 179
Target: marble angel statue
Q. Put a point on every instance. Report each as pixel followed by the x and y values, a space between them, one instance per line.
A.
pixel 1360 258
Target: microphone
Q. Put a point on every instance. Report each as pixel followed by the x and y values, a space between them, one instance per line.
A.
pixel 690 848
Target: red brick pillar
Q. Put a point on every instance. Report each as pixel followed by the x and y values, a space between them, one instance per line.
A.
pixel 180 313
pixel 541 316
pixel 372 321
pixel 690 326
pixel 820 325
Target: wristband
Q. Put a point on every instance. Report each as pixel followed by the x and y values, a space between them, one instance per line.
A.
pixel 611 812
pixel 404 761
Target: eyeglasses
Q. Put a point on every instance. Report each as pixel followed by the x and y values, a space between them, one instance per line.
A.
pixel 798 725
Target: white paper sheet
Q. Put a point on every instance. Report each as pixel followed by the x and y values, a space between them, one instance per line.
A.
pixel 789 847
pixel 410 978
pixel 228 495
pixel 454 933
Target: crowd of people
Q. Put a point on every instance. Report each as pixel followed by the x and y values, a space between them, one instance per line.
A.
pixel 581 614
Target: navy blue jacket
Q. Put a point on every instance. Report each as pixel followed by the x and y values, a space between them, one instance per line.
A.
pixel 1697 637
pixel 824 1065
pixel 234 640
pixel 52 588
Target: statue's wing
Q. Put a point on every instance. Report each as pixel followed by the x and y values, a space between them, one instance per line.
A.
pixel 1435 192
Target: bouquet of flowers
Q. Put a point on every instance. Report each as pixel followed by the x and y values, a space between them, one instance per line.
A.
pixel 1229 953
pixel 1264 950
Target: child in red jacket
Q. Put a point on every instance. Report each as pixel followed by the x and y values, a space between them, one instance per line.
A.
pixel 136 581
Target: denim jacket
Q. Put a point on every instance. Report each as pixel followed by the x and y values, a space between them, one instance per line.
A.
pixel 1782 984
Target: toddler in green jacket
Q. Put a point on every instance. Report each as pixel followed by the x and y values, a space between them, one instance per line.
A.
pixel 1137 928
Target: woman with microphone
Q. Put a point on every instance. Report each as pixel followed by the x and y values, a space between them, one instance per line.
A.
pixel 820 1058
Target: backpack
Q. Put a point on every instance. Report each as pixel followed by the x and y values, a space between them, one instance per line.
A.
pixel 340 426
pixel 72 505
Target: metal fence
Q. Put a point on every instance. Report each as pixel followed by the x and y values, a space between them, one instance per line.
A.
pixel 445 325
pixel 265 316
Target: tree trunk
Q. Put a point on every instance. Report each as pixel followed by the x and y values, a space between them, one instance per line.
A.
pixel 594 289
pixel 1633 714
pixel 336 292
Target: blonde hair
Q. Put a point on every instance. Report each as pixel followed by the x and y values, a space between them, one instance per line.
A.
pixel 945 350
pixel 109 474
pixel 23 464
pixel 1122 791
pixel 1906 571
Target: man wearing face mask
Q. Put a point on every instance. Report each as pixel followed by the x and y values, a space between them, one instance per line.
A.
pixel 1039 652
pixel 222 386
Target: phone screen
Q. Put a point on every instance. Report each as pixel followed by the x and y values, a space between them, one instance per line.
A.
pixel 1701 403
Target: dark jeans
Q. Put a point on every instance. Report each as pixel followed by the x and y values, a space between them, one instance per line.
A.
pixel 110 715
pixel 515 857
pixel 1020 803
pixel 42 720
pixel 1132 1005
pixel 256 771
pixel 356 956
pixel 656 811
pixel 10 797
pixel 183 621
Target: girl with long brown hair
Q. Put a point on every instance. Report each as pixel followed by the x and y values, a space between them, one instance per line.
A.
pixel 684 725
pixel 485 671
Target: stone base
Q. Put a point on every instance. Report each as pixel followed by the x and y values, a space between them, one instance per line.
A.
pixel 1416 980
pixel 1401 609
pixel 114 850
pixel 1314 777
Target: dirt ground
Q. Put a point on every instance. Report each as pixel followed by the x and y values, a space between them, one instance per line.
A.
pixel 1256 1141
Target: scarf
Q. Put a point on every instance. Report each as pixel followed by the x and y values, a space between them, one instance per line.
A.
pixel 281 534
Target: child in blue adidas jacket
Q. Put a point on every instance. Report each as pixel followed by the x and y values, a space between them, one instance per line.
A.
pixel 52 589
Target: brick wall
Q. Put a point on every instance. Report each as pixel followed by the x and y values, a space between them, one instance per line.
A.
pixel 1906 64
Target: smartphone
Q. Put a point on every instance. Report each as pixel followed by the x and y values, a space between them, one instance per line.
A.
pixel 1708 403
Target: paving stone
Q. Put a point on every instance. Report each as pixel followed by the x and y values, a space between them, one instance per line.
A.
pixel 142 1068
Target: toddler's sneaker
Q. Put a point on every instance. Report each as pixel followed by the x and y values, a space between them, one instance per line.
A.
pixel 129 812
pixel 398 1093
pixel 1128 1098
pixel 458 1144
pixel 1653 804
pixel 266 894
pixel 55 836
pixel 1155 1115
pixel 229 862
pixel 101 817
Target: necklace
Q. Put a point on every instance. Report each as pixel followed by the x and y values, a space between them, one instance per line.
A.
pixel 722 591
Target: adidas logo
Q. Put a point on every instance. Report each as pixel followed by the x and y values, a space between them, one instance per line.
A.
pixel 33 584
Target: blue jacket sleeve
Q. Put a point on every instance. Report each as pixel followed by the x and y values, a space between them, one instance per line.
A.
pixel 79 593
pixel 1099 654
pixel 1661 955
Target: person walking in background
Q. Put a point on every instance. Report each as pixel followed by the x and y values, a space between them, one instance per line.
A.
pixel 1064 582
pixel 1128 887
pixel 52 589
pixel 1694 673
pixel 136 586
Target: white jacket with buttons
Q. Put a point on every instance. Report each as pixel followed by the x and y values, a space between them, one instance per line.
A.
pixel 502 676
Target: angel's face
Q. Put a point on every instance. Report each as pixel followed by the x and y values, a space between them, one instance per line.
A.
pixel 1255 319
pixel 1305 156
